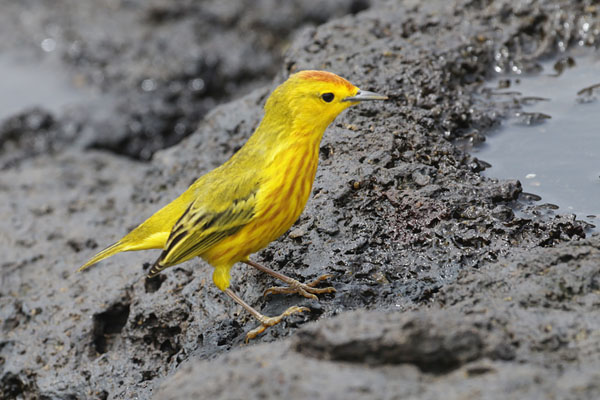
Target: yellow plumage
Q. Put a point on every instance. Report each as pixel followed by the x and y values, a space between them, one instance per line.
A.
pixel 241 206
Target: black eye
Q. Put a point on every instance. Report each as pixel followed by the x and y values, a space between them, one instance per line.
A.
pixel 328 97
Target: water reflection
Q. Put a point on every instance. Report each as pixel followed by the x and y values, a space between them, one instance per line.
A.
pixel 25 84
pixel 552 144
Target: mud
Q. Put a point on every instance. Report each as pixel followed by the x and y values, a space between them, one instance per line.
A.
pixel 448 284
pixel 506 330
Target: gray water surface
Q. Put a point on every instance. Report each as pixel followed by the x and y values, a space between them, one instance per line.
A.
pixel 27 83
pixel 557 158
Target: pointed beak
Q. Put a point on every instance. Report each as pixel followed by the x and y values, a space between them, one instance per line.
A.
pixel 363 95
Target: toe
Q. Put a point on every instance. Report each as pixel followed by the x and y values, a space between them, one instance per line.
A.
pixel 306 294
pixel 267 322
pixel 319 280
pixel 255 332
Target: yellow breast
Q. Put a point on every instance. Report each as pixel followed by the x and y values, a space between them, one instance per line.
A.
pixel 280 201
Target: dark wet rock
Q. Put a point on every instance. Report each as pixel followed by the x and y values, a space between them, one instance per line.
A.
pixel 472 288
pixel 523 327
pixel 36 131
pixel 531 118
pixel 588 94
pixel 162 64
pixel 376 338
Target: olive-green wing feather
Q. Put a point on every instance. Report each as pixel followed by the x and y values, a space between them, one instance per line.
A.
pixel 201 227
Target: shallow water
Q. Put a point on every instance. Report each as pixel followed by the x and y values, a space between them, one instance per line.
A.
pixel 557 158
pixel 25 83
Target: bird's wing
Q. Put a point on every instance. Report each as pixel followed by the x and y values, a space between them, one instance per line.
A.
pixel 202 226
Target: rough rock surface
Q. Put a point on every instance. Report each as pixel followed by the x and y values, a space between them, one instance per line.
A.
pixel 164 63
pixel 454 293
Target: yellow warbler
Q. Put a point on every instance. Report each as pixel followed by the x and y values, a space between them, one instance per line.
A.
pixel 241 206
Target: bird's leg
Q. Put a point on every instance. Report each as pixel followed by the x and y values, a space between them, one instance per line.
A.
pixel 307 290
pixel 265 322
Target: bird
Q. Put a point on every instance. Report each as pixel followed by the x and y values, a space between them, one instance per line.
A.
pixel 238 208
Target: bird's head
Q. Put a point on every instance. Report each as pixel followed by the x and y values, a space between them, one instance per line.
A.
pixel 310 100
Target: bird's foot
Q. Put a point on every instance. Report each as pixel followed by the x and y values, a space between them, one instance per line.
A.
pixel 307 290
pixel 266 322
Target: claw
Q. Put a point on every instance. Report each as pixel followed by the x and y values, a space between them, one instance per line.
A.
pixel 307 290
pixel 267 322
pixel 319 280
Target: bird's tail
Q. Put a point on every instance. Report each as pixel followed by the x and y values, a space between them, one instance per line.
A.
pixel 107 252
pixel 156 268
pixel 151 234
pixel 138 239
